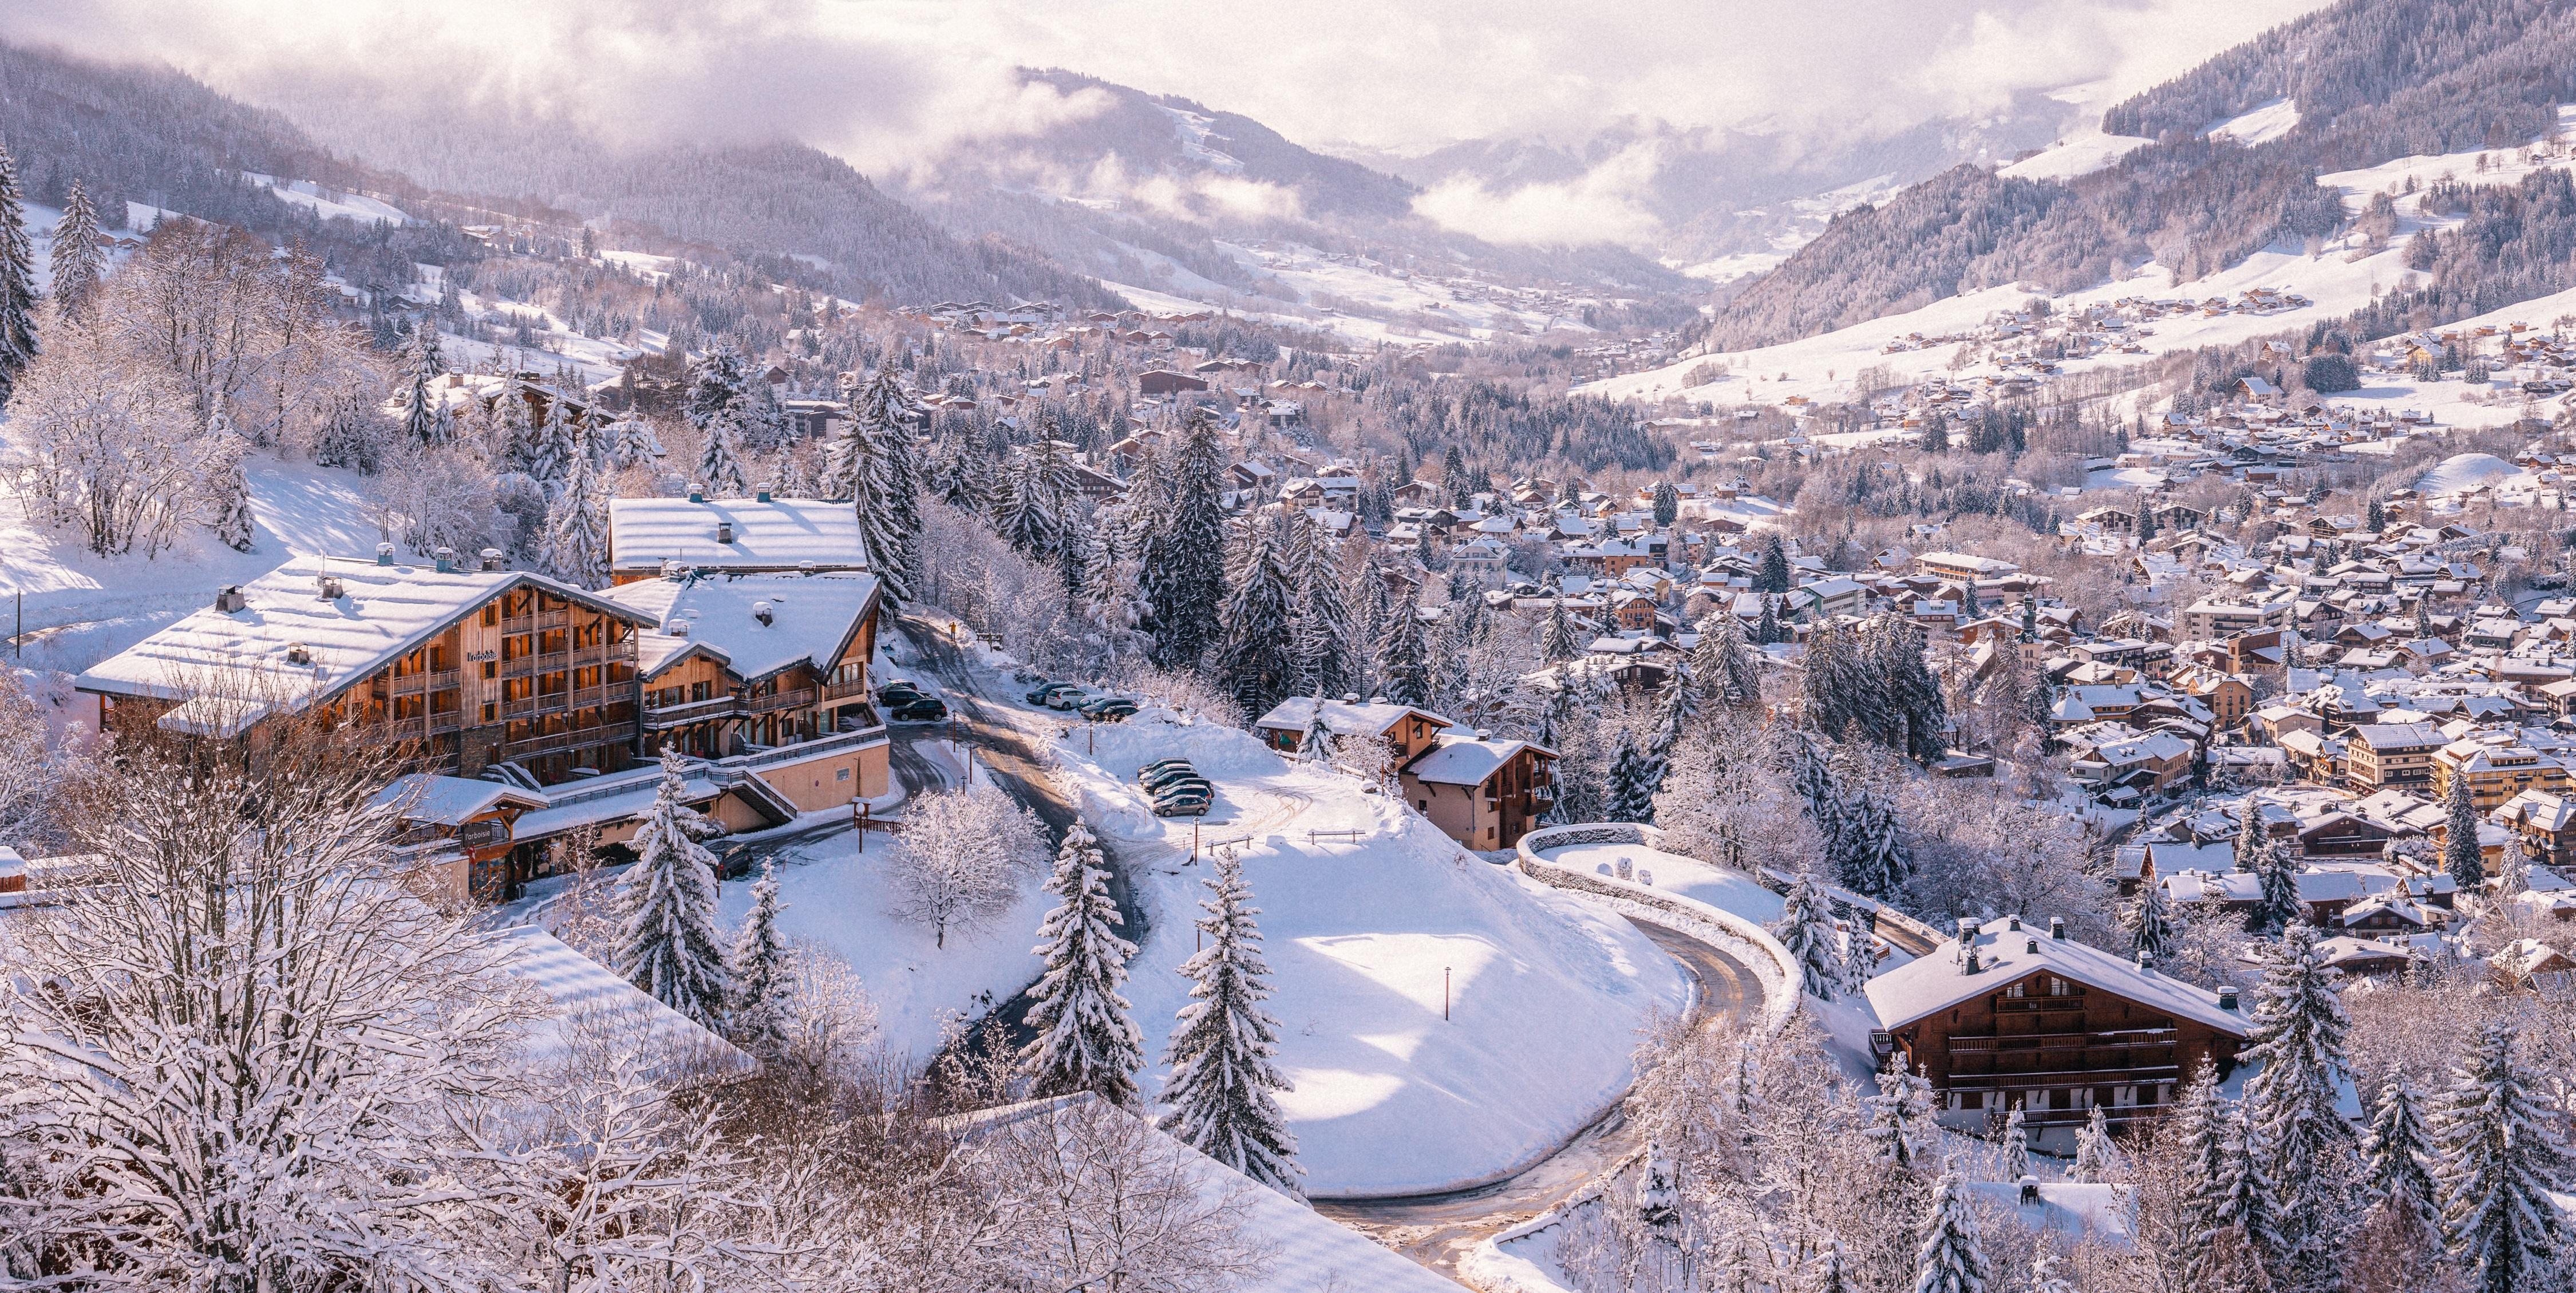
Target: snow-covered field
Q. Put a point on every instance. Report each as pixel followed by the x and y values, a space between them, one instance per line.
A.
pixel 1544 996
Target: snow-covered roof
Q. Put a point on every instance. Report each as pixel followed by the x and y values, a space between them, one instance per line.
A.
pixel 382 612
pixel 451 801
pixel 1342 718
pixel 585 993
pixel 1466 761
pixel 780 534
pixel 1938 980
pixel 810 619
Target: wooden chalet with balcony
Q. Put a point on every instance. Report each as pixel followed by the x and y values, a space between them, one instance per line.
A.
pixel 2007 1017
pixel 476 667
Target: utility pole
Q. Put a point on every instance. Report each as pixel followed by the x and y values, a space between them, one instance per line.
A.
pixel 1444 994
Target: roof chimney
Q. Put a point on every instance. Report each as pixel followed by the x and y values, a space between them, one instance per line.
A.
pixel 697 493
pixel 231 599
pixel 446 560
pixel 1967 931
pixel 677 628
pixel 762 496
pixel 2227 998
pixel 2057 928
pixel 492 560
pixel 2146 961
pixel 762 611
pixel 724 531
pixel 2013 922
pixel 384 554
pixel 298 653
pixel 2033 947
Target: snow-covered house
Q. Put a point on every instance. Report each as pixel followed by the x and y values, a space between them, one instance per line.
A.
pixel 1483 793
pixel 734 663
pixel 1408 730
pixel 744 536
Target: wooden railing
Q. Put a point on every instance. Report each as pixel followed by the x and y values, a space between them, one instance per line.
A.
pixel 690 711
pixel 577 738
pixel 797 699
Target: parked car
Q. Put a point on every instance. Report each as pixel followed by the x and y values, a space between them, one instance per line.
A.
pixel 1115 711
pixel 1091 708
pixel 1158 765
pixel 922 709
pixel 1169 775
pixel 1193 786
pixel 896 693
pixel 1038 694
pixel 1187 804
pixel 1071 698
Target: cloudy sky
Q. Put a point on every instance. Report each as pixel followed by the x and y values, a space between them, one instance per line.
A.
pixel 888 84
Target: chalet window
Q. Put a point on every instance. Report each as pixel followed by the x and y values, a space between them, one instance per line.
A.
pixel 491 614
pixel 2057 987
pixel 2016 991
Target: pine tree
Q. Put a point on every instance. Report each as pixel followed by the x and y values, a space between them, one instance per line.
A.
pixel 77 262
pixel 17 283
pixel 2146 519
pixel 1723 663
pixel 576 543
pixel 555 448
pixel 419 408
pixel 1826 683
pixel 1085 1039
pixel 1404 659
pixel 1557 644
pixel 2097 1157
pixel 1771 572
pixel 2513 870
pixel 2501 1155
pixel 1901 1132
pixel 2460 853
pixel 1913 695
pixel 631 442
pixel 667 943
pixel 2200 1130
pixel 2247 1197
pixel 1675 709
pixel 2150 921
pixel 1258 661
pixel 1867 841
pixel 1324 630
pixel 873 464
pixel 226 484
pixel 2395 1155
pixel 720 461
pixel 716 389
pixel 1767 630
pixel 1315 744
pixel 1659 1199
pixel 1860 956
pixel 1220 1091
pixel 2016 1164
pixel 2276 904
pixel 1184 557
pixel 1806 928
pixel 2252 844
pixel 1950 1260
pixel 1668 504
pixel 1632 791
pixel 2298 1033
pixel 759 1011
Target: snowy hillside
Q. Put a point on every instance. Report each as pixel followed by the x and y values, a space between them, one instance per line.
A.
pixel 1545 996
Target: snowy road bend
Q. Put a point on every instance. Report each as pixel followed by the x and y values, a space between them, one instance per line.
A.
pixel 1437 1229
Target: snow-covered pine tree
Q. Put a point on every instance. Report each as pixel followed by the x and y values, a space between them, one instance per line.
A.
pixel 1771 572
pixel 1867 843
pixel 1632 790
pixel 78 264
pixel 1085 1040
pixel 1220 1090
pixel 1676 710
pixel 758 1013
pixel 1806 928
pixel 2513 869
pixel 631 442
pixel 720 460
pixel 2247 1198
pixel 1860 956
pixel 2502 1154
pixel 1723 662
pixel 874 464
pixel 2097 1156
pixel 2276 902
pixel 2016 1155
pixel 1315 744
pixel 2397 1151
pixel 555 448
pixel 1918 717
pixel 1403 658
pixel 575 549
pixel 2151 921
pixel 2251 842
pixel 1557 644
pixel 1901 1132
pixel 420 409
pixel 666 945
pixel 716 388
pixel 2145 523
pixel 1826 683
pixel 1667 502
pixel 2298 1033
pixel 2460 854
pixel 1659 1198
pixel 1950 1260
pixel 1766 627
pixel 227 489
pixel 1258 662
pixel 1025 514
pixel 1325 634
pixel 796 477
pixel 17 282
pixel 1184 558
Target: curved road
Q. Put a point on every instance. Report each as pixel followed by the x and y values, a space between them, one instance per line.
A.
pixel 1438 1229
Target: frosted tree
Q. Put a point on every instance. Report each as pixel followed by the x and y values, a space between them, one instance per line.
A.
pixel 1257 661
pixel 1324 629
pixel 1900 1133
pixel 1723 662
pixel 1315 744
pixel 2150 921
pixel 78 264
pixel 2252 844
pixel 759 1012
pixel 1557 642
pixel 1027 514
pixel 554 447
pixel 631 443
pixel 2513 869
pixel 1918 715
pixel 720 461
pixel 1950 1260
pixel 2097 1156
pixel 1085 1039
pixel 2016 1156
pixel 575 549
pixel 1632 782
pixel 1860 956
pixel 227 488
pixel 2247 1199
pixel 2502 1153
pixel 1806 928
pixel 17 282
pixel 1403 658
pixel 2276 901
pixel 1676 708
pixel 2298 1033
pixel 961 858
pixel 717 389
pixel 1869 847
pixel 2199 1131
pixel 2460 854
pixel 1184 558
pixel 667 945
pixel 1659 1198
pixel 1220 1093
pixel 2394 1171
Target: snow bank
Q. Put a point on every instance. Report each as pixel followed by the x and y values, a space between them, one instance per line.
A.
pixel 2258 125
pixel 2080 155
pixel 1368 939
pixel 2465 471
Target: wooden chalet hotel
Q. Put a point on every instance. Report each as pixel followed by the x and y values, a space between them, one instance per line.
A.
pixel 738 631
pixel 2009 1017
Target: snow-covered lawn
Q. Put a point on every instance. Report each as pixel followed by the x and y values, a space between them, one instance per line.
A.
pixel 1726 890
pixel 1367 940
